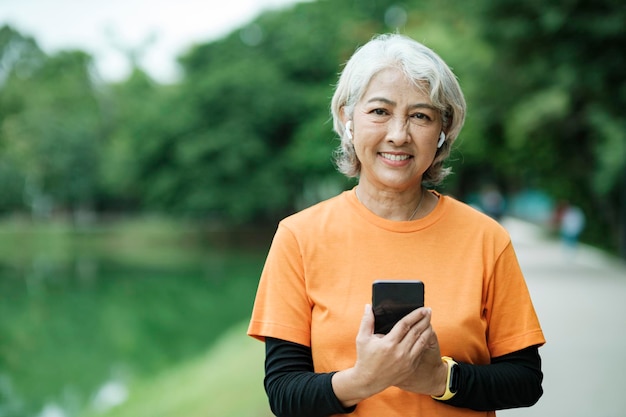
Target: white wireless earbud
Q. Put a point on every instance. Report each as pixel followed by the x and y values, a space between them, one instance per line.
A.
pixel 349 129
pixel 442 139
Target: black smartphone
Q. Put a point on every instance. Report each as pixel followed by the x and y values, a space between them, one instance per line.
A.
pixel 394 299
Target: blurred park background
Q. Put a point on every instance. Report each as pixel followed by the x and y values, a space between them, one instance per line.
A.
pixel 135 214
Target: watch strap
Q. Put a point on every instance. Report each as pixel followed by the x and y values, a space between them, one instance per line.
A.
pixel 448 393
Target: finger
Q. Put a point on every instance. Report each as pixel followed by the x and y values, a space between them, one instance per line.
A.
pixel 427 340
pixel 423 326
pixel 421 341
pixel 411 325
pixel 366 327
pixel 418 315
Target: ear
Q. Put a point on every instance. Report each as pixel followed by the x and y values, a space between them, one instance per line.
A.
pixel 343 115
pixel 347 122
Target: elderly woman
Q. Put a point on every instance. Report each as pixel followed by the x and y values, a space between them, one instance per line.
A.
pixel 473 348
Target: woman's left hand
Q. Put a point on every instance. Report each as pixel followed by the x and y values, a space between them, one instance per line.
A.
pixel 429 371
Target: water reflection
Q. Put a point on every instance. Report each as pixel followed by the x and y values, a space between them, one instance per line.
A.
pixel 78 328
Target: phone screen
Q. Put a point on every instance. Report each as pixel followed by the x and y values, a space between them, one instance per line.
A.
pixel 392 300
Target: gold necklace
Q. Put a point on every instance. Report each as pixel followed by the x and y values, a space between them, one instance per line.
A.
pixel 414 211
pixel 418 205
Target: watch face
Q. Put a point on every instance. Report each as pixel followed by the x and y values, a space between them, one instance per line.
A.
pixel 454 378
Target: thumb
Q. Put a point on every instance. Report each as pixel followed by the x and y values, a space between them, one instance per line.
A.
pixel 367 321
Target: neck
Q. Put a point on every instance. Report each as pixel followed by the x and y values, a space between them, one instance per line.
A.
pixel 393 206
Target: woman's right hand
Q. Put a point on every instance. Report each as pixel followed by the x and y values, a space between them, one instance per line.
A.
pixel 384 360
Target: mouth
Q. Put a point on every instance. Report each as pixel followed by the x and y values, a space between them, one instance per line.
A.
pixel 395 157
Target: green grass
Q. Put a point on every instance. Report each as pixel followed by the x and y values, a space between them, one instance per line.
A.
pixel 226 382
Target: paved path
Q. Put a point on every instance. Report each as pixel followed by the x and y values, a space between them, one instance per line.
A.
pixel 580 298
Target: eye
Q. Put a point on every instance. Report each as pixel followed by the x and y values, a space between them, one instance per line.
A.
pixel 379 112
pixel 421 116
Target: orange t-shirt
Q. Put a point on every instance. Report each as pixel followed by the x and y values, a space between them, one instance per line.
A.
pixel 323 260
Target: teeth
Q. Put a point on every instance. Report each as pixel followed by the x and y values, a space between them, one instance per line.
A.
pixel 393 157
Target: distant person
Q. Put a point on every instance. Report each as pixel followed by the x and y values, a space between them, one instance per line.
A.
pixel 571 225
pixel 473 348
pixel 557 217
pixel 492 202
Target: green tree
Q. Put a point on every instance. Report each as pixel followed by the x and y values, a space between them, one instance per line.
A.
pixel 259 99
pixel 19 58
pixel 51 126
pixel 560 123
pixel 142 123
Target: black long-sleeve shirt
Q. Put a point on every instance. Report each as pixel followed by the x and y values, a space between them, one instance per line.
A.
pixel 295 390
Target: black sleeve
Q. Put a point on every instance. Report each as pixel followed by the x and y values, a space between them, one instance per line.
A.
pixel 510 381
pixel 292 387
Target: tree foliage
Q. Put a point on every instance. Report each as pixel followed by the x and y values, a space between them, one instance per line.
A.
pixel 245 135
pixel 561 119
pixel 50 125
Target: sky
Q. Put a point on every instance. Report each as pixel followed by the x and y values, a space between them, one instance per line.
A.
pixel 109 29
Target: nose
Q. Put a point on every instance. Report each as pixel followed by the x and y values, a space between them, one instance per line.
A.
pixel 398 131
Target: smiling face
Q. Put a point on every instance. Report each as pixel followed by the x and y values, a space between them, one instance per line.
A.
pixel 395 129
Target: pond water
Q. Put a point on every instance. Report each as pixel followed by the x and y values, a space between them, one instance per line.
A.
pixel 75 320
